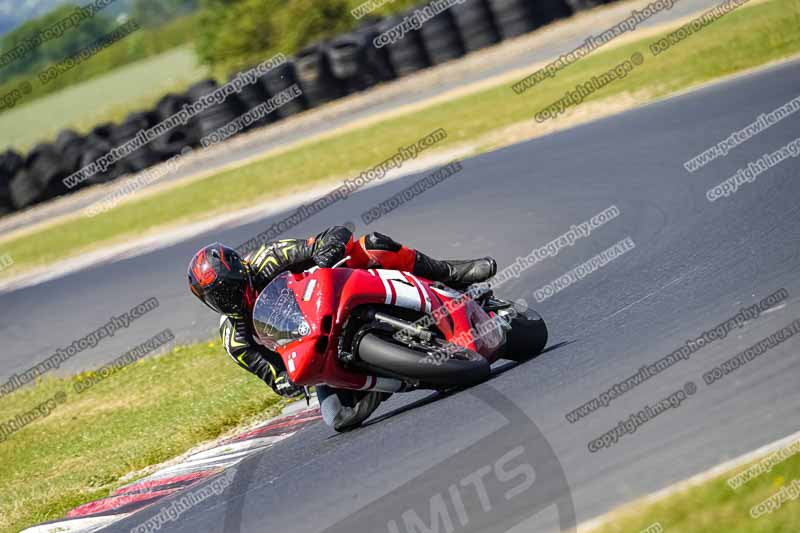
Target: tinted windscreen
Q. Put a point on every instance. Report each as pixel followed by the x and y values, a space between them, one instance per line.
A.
pixel 277 318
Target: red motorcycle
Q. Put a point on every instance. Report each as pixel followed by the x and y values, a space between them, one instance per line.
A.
pixel 389 331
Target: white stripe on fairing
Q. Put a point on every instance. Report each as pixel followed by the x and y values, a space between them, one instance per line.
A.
pixel 385 288
pixel 406 294
pixel 424 292
pixel 78 525
pixel 309 290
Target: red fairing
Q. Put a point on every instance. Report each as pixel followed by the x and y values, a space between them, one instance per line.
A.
pixel 327 297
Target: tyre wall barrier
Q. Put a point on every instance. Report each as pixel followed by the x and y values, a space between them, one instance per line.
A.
pixel 10 165
pixel 476 25
pixel 324 71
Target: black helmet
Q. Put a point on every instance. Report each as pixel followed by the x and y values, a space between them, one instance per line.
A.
pixel 221 279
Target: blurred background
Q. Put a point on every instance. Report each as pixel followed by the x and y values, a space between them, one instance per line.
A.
pixel 183 49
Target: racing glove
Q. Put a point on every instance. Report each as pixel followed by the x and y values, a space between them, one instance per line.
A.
pixel 331 246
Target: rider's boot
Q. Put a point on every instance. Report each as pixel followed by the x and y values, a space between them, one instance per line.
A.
pixel 457 274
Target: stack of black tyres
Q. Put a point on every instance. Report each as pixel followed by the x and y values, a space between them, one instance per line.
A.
pixel 253 95
pixel 324 72
pixel 177 138
pixel 41 179
pixel 475 24
pixel 144 157
pixel 407 55
pixel 10 165
pixel 315 76
pixel 215 116
pixel 513 17
pixel 70 146
pixel 546 11
pixel 100 142
pixel 441 37
pixel 377 64
pixel 580 5
pixel 280 79
pixel 347 59
pixel 356 63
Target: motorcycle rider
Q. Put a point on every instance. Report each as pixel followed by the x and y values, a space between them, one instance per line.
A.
pixel 230 285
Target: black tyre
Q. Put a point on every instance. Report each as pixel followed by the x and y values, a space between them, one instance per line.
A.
pixel 144 156
pixel 99 142
pixel 408 54
pixel 173 141
pixel 347 56
pixel 278 80
pixel 377 66
pixel 441 37
pixel 527 338
pixel 216 115
pixel 476 24
pixel 25 191
pixel 457 370
pixel 44 166
pixel 581 5
pixel 70 146
pixel 251 96
pixel 513 17
pixel 10 164
pixel 546 11
pixel 315 77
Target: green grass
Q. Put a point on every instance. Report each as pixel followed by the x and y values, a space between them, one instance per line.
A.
pixel 714 506
pixel 748 37
pixel 142 415
pixel 109 97
pixel 135 47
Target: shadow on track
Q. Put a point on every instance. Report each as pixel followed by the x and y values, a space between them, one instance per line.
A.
pixel 436 396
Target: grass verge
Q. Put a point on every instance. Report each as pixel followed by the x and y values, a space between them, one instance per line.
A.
pixel 715 506
pixel 106 98
pixel 142 415
pixel 752 35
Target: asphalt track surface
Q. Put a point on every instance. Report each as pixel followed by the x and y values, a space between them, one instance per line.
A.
pixel 695 264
